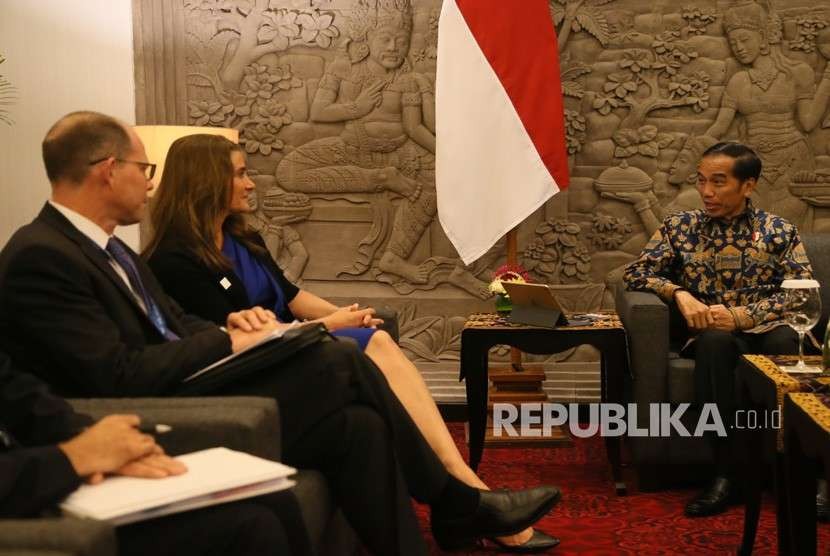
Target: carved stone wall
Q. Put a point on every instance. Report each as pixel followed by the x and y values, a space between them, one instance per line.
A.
pixel 335 107
pixel 8 97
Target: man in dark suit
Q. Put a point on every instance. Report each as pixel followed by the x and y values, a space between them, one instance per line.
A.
pixel 85 313
pixel 47 450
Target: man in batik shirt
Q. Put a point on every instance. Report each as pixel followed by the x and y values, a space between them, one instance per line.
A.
pixel 722 267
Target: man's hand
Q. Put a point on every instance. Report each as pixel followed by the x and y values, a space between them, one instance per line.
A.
pixel 109 445
pixel 698 315
pixel 251 320
pixel 155 466
pixel 723 318
pixel 350 317
pixel 241 339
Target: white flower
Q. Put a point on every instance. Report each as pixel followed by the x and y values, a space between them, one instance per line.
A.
pixel 496 287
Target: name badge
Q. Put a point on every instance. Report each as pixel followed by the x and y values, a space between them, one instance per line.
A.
pixel 225 283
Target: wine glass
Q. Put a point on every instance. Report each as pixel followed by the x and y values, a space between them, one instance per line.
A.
pixel 802 311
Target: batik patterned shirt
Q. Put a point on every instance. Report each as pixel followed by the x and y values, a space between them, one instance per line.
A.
pixel 739 263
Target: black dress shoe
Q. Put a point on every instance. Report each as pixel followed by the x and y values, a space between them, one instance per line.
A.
pixel 714 500
pixel 822 502
pixel 539 542
pixel 499 513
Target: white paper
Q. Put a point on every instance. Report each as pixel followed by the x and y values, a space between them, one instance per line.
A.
pixel 214 476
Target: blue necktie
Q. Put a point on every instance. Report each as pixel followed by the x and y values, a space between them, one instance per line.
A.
pixel 125 261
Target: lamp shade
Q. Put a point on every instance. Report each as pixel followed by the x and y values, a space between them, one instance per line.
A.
pixel 158 138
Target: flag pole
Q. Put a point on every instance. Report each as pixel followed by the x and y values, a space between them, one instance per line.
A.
pixel 513 259
pixel 517 384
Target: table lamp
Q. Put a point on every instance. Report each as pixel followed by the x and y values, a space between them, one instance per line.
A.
pixel 158 138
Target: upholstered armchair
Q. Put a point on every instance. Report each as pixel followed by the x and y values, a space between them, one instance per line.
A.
pixel 660 375
pixel 242 423
pixel 390 321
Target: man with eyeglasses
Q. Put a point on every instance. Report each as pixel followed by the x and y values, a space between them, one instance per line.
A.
pixel 148 168
pixel 79 309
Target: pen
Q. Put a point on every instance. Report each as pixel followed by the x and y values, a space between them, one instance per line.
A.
pixel 154 428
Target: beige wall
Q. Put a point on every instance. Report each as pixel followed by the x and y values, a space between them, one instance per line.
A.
pixel 61 55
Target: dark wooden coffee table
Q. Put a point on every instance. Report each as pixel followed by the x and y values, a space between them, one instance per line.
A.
pixel 482 331
pixel 762 387
pixel 806 444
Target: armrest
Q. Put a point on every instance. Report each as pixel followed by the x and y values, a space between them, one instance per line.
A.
pixel 390 322
pixel 76 537
pixel 248 424
pixel 646 321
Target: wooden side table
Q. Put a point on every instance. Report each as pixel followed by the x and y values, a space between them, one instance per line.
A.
pixel 806 443
pixel 762 387
pixel 482 331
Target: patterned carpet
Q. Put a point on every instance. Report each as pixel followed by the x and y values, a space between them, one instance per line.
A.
pixel 591 519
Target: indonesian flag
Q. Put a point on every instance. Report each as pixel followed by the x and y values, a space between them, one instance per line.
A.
pixel 500 129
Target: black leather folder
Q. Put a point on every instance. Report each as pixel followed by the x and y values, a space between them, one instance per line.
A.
pixel 260 357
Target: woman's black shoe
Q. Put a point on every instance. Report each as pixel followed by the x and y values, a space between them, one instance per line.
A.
pixel 499 513
pixel 539 542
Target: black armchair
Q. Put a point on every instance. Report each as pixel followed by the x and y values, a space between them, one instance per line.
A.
pixel 660 375
pixel 242 423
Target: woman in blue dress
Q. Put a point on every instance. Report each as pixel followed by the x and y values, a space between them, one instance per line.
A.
pixel 212 264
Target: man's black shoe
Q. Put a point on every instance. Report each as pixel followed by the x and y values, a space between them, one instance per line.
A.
pixel 822 502
pixel 539 542
pixel 714 500
pixel 499 513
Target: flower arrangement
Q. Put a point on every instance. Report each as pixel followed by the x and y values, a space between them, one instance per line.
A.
pixel 508 273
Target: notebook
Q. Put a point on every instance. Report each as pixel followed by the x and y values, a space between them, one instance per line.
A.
pixel 214 476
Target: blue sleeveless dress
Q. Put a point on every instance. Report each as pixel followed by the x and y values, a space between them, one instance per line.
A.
pixel 264 290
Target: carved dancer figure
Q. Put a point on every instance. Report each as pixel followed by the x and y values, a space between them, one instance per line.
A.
pixel 775 95
pixel 385 145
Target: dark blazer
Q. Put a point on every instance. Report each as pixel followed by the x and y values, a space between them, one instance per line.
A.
pixel 66 316
pixel 201 290
pixel 34 473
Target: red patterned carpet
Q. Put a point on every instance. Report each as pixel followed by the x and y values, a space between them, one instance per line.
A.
pixel 591 519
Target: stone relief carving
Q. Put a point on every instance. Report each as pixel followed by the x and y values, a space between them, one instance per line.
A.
pixel 573 16
pixel 576 126
pixel 556 255
pixel 777 98
pixel 8 95
pixel 334 100
pixel 429 337
pixel 386 145
pixel 808 28
pixel 274 210
pixel 701 72
pixel 697 19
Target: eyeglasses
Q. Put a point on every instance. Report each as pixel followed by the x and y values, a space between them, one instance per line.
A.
pixel 148 168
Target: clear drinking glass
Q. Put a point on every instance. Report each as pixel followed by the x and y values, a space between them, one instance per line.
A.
pixel 802 312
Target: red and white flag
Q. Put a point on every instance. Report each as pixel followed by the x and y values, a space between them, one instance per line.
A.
pixel 500 129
